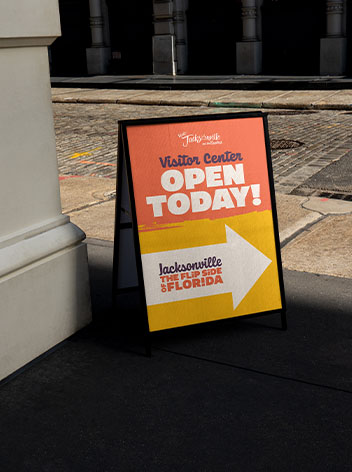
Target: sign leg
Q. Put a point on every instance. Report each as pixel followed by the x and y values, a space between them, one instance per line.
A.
pixel 148 345
pixel 283 321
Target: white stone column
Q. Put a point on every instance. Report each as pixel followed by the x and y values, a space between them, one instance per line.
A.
pixel 249 50
pixel 180 22
pixel 98 55
pixel 44 290
pixel 164 39
pixel 333 48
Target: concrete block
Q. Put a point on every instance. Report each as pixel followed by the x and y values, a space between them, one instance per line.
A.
pixel 24 20
pixel 164 48
pixel 164 9
pixel 333 53
pixel 98 60
pixel 45 301
pixel 165 68
pixel 164 27
pixel 249 57
pixel 164 55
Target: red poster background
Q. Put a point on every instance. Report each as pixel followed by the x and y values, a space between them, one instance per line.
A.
pixel 148 143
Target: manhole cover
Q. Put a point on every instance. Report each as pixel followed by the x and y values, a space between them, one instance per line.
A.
pixel 276 144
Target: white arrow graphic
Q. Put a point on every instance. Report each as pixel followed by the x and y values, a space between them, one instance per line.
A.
pixel 241 266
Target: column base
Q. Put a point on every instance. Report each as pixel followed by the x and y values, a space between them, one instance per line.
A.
pixel 333 52
pixel 164 56
pixel 249 57
pixel 182 58
pixel 44 293
pixel 98 60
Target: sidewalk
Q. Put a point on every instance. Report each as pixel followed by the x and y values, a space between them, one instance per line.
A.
pixel 234 396
pixel 266 100
pixel 241 396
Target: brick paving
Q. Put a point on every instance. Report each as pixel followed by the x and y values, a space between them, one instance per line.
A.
pixel 86 136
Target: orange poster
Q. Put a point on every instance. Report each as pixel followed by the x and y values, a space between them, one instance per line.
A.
pixel 204 209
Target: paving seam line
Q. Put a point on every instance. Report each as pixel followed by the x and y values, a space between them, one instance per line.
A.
pixel 251 370
pixel 335 92
pixel 87 205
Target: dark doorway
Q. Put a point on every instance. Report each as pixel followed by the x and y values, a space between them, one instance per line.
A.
pixel 349 37
pixel 291 36
pixel 131 31
pixel 68 53
pixel 213 30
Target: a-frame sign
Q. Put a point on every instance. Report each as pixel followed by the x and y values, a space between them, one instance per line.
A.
pixel 196 226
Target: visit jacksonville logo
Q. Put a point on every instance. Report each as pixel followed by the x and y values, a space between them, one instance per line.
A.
pixel 204 139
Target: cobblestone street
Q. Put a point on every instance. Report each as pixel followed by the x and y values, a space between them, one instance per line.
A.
pixel 303 141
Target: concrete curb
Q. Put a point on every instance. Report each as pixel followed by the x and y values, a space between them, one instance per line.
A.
pixel 290 106
pixel 132 101
pixel 288 234
pixel 204 103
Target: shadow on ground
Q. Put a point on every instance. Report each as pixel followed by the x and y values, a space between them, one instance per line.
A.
pixel 240 395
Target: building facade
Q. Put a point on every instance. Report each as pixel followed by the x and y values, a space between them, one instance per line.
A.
pixel 272 37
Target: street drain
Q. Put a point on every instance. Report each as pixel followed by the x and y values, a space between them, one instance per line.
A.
pixel 337 196
pixel 278 144
pixel 322 194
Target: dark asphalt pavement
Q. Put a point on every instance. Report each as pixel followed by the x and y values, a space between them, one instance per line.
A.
pixel 235 396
